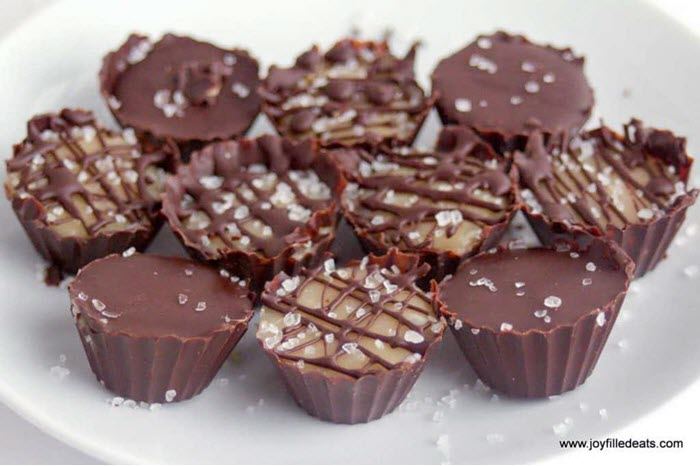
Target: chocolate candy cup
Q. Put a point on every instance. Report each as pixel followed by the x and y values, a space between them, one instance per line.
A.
pixel 81 191
pixel 504 86
pixel 445 205
pixel 228 206
pixel 357 93
pixel 180 91
pixel 553 346
pixel 631 188
pixel 350 342
pixel 164 332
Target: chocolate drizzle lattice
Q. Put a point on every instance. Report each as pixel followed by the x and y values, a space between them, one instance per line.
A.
pixel 368 317
pixel 445 200
pixel 602 179
pixel 356 92
pixel 255 206
pixel 81 179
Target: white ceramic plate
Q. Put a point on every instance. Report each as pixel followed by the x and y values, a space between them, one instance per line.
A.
pixel 639 62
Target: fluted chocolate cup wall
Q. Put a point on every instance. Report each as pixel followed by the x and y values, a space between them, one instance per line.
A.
pixel 363 396
pixel 646 244
pixel 71 253
pixel 279 156
pixel 540 362
pixel 147 369
pixel 346 401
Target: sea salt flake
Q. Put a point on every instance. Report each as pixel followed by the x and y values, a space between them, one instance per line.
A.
pixel 240 89
pixel 329 266
pixel 506 327
pixel 591 267
pixel 587 281
pixel 495 438
pixel 98 305
pixel 463 105
pixel 412 336
pixel 600 319
pixel 182 298
pixel 349 347
pixel 290 284
pixel 548 78
pixel 552 301
pixel 645 214
pixel 527 67
pixel 170 395
pixel 516 100
pixel 59 372
pixel 412 358
pixel 484 43
pixel 292 319
pixel 201 306
pixel 129 252
pixel 211 182
pixel 458 324
pixel 532 87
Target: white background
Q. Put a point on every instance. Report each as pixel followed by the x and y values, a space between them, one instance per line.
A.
pixel 22 443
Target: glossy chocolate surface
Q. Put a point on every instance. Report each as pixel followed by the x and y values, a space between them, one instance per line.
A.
pixel 533 289
pixel 505 84
pixel 145 295
pixel 181 88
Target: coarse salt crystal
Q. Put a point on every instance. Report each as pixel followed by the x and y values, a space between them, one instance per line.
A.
pixel 170 395
pixel 463 105
pixel 552 301
pixel 600 319
pixel 412 336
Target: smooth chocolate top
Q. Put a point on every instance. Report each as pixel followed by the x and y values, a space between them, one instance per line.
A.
pixel 146 295
pixel 260 195
pixel 86 178
pixel 441 199
pixel 366 317
pixel 533 289
pixel 181 88
pixel 356 92
pixel 506 84
pixel 602 179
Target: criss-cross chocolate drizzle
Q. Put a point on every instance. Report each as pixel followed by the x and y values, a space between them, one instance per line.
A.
pixel 357 91
pixel 390 276
pixel 601 178
pixel 233 184
pixel 460 165
pixel 55 166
